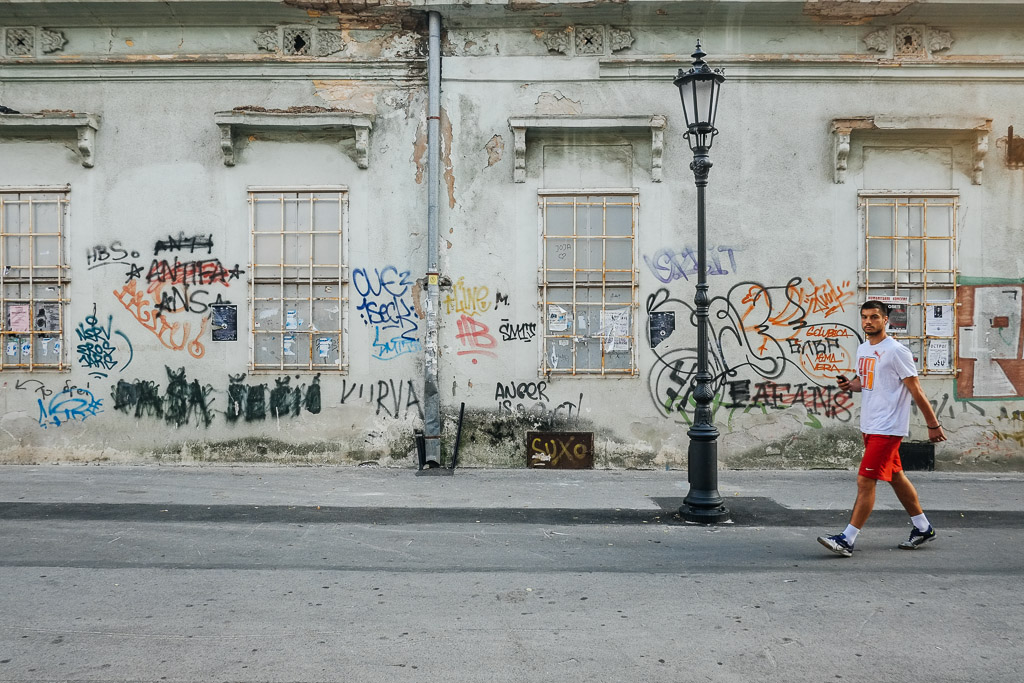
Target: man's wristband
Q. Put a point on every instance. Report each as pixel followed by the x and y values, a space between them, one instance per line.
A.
pixel 936 426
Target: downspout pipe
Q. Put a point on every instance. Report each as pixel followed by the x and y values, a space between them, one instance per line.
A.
pixel 431 392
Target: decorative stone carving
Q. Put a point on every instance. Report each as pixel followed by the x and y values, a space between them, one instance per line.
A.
pixel 51 41
pixel 267 40
pixel 939 40
pixel 951 127
pixel 328 42
pixel 80 125
pixel 589 40
pixel 909 41
pixel 658 123
pixel 842 152
pixel 234 125
pixel 619 39
pixel 630 124
pixel 20 42
pixel 297 41
pixel 878 41
pixel 557 41
pixel 980 150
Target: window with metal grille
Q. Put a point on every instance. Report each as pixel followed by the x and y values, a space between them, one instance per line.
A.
pixel 588 281
pixel 33 278
pixel 909 261
pixel 298 279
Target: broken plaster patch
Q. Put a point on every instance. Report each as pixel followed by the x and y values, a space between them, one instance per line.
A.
pixel 352 96
pixel 494 148
pixel 557 103
pixel 853 12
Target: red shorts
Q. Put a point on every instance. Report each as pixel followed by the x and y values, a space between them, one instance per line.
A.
pixel 881 457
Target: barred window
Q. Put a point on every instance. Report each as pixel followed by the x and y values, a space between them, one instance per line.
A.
pixel 588 281
pixel 33 278
pixel 909 261
pixel 298 279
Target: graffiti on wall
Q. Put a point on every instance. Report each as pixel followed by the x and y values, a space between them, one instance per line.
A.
pixel 531 399
pixel 182 402
pixel 165 296
pixel 175 334
pixel 517 331
pixel 467 299
pixel 989 318
pixel 98 347
pixel 384 302
pixel 250 402
pixel 760 332
pixel 70 403
pixel 391 398
pixel 475 338
pixel 670 264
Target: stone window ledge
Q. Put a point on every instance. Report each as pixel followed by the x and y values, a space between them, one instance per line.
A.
pixel 655 124
pixel 81 125
pixel 232 123
pixel 978 128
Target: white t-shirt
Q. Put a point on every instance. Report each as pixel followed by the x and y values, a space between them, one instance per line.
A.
pixel 885 400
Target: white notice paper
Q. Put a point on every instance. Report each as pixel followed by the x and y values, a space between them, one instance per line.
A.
pixel 615 330
pixel 938 355
pixel 558 319
pixel 939 319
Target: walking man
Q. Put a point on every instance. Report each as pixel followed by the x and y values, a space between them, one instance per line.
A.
pixel 887 380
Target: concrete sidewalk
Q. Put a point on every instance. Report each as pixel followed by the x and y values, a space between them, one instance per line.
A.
pixel 777 497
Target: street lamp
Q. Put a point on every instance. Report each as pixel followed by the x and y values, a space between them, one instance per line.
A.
pixel 698 88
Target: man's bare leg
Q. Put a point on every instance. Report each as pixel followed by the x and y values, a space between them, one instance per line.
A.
pixel 907 494
pixel 865 502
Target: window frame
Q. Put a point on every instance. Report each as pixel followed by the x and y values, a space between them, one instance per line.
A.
pixel 920 294
pixel 340 334
pixel 544 285
pixel 62 280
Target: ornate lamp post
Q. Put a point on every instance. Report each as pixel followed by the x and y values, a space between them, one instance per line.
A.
pixel 698 87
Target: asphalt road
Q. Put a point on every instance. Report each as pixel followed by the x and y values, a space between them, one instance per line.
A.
pixel 266 599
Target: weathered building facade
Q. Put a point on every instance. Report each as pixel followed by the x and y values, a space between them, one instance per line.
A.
pixel 221 243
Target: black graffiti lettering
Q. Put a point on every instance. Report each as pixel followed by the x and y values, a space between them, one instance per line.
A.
pixel 521 332
pixel 530 390
pixel 312 400
pixel 283 399
pixel 186 400
pixel 394 398
pixel 181 243
pixel 177 300
pixel 107 253
pixel 237 397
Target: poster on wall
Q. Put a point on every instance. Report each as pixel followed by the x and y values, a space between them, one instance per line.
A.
pixel 897 312
pixel 225 322
pixel 48 317
pixel 18 317
pixel 938 355
pixel 660 325
pixel 938 319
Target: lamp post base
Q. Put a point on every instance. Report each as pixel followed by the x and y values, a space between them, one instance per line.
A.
pixel 703 515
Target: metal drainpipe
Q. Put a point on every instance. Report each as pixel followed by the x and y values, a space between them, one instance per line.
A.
pixel 431 393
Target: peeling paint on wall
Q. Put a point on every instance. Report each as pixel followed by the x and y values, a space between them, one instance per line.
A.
pixel 419 151
pixel 446 156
